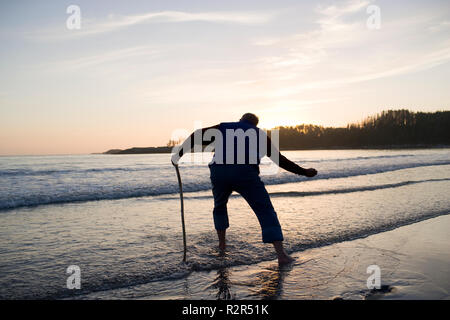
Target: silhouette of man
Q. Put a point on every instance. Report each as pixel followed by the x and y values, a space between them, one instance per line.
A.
pixel 239 147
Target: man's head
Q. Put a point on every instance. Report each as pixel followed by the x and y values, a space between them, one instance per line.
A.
pixel 250 117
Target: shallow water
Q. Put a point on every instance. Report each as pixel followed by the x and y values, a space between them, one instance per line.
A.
pixel 117 216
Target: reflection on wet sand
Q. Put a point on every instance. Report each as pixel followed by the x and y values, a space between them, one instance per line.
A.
pixel 267 284
pixel 222 284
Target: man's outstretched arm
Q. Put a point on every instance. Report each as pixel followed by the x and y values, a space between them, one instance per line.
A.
pixel 287 164
pixel 190 142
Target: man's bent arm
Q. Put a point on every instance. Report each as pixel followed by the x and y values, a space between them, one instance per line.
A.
pixel 189 143
pixel 283 162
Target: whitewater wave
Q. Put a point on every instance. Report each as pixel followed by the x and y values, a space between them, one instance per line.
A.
pixel 363 158
pixel 124 191
pixel 324 192
pixel 81 171
pixel 31 172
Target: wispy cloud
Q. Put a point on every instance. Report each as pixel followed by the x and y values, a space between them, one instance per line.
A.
pixel 332 31
pixel 98 59
pixel 333 12
pixel 415 64
pixel 117 22
pixel 342 51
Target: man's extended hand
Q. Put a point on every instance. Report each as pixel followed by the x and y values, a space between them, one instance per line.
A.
pixel 174 160
pixel 310 172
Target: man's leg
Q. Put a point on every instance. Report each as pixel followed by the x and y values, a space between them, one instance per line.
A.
pixel 255 193
pixel 221 192
pixel 220 214
pixel 221 235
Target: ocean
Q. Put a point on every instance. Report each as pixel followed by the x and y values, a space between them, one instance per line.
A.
pixel 117 217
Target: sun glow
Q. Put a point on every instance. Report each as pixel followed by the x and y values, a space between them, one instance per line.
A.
pixel 270 123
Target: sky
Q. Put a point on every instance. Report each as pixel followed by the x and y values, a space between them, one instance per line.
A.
pixel 138 73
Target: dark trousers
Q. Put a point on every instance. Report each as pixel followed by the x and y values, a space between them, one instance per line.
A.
pixel 245 180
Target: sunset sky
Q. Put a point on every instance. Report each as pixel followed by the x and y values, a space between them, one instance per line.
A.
pixel 138 71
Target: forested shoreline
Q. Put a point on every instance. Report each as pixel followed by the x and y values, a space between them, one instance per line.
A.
pixel 392 128
pixel 388 129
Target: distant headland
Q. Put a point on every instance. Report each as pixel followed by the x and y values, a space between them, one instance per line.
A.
pixel 137 150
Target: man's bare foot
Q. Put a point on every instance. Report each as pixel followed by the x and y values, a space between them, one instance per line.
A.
pixel 222 241
pixel 285 259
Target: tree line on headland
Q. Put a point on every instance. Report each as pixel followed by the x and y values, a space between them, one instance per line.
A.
pixel 388 129
pixel 392 128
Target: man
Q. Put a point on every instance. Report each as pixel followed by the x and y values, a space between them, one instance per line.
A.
pixel 239 147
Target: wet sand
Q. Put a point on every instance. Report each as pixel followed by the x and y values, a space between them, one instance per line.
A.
pixel 413 261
